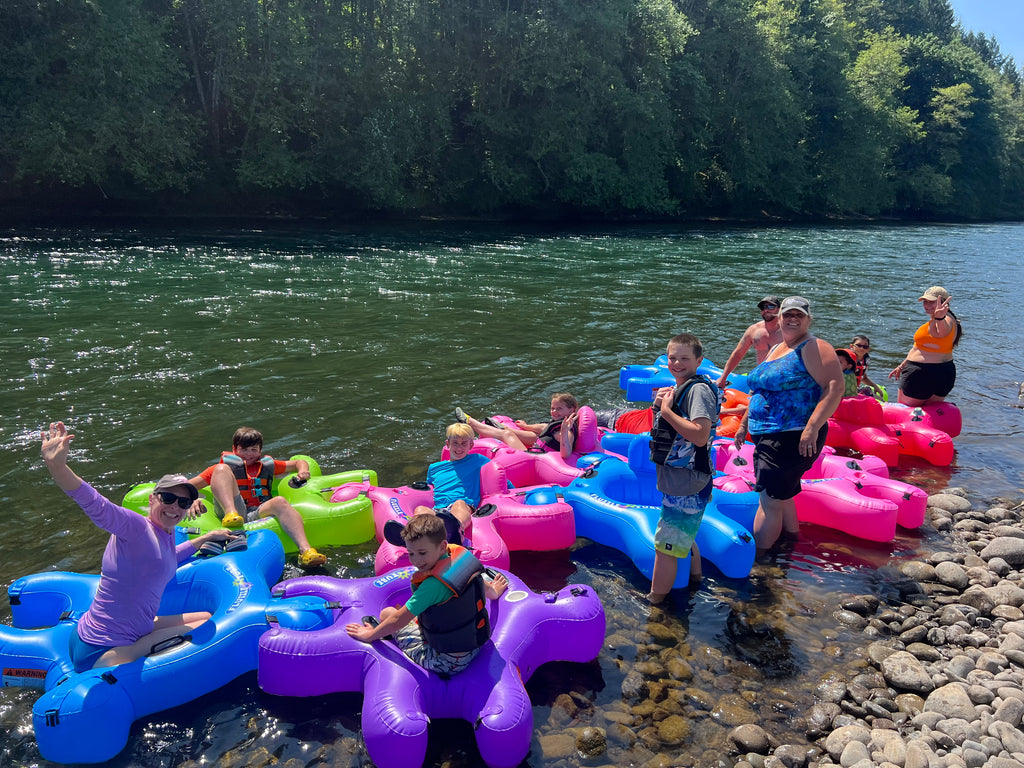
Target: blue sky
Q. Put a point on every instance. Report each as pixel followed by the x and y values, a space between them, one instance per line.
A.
pixel 1002 19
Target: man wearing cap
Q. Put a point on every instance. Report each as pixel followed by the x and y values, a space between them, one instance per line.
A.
pixel 121 624
pixel 762 336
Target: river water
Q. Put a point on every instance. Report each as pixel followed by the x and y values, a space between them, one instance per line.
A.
pixel 355 345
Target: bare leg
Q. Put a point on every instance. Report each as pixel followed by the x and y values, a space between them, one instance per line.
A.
pixel 663 577
pixel 696 574
pixel 164 628
pixel 513 438
pixel 913 402
pixel 289 519
pixel 225 491
pixel 772 515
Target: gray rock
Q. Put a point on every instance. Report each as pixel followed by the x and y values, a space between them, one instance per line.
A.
pixel 918 755
pixel 918 571
pixel 1012 739
pixel 949 502
pixel 952 701
pixel 853 753
pixel 959 729
pixel 979 598
pixel 902 670
pixel 960 666
pixel 999 566
pixel 980 694
pixel 924 652
pixel 1010 711
pixel 791 755
pixel 974 758
pixel 992 662
pixel 836 742
pixel 1003 762
pixel 1009 548
pixel 1006 593
pixel 952 575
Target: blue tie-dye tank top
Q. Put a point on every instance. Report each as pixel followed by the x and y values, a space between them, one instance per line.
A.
pixel 783 394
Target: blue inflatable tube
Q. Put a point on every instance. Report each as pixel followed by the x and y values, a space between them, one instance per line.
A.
pixel 85 717
pixel 639 381
pixel 618 504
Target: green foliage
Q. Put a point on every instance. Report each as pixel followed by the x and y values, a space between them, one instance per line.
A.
pixel 791 108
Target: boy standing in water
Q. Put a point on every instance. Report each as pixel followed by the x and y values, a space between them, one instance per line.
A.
pixel 680 438
pixel 447 602
pixel 241 488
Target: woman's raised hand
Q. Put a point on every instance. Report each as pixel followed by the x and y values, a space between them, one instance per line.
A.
pixel 56 443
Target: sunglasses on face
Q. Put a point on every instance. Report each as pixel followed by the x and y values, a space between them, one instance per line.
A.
pixel 769 306
pixel 863 346
pixel 171 498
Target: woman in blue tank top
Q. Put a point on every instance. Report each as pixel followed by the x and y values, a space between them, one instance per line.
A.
pixel 792 394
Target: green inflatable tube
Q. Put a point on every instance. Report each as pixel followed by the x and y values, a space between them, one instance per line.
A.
pixel 327 524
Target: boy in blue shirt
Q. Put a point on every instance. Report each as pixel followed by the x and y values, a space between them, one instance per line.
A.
pixel 456 484
pixel 447 603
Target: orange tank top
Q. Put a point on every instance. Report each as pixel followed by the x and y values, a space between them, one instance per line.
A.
pixel 925 342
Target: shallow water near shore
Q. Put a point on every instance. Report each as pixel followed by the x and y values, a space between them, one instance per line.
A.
pixel 354 347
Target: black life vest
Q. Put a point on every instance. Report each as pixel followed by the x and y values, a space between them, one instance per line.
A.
pixel 663 434
pixel 460 623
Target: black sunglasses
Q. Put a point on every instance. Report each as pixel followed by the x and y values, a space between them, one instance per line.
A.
pixel 170 498
pixel 769 306
pixel 863 346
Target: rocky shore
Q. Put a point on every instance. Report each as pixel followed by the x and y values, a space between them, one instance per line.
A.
pixel 925 672
pixel 941 679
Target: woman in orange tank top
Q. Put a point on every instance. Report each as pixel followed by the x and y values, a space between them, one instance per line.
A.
pixel 928 373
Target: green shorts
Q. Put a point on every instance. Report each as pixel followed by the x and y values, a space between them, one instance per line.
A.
pixel 679 522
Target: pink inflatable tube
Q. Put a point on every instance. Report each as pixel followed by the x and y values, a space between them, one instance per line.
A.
pixel 889 430
pixel 529 468
pixel 846 494
pixel 399 697
pixel 504 521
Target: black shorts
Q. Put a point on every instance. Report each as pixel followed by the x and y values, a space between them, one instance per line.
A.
pixel 923 380
pixel 778 465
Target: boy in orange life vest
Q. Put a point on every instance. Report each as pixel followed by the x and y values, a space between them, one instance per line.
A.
pixel 448 602
pixel 241 488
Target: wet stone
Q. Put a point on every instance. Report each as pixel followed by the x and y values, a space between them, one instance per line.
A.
pixel 591 742
pixel 918 571
pixel 750 738
pixel 949 502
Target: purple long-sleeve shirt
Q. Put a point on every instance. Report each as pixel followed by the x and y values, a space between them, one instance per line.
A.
pixel 139 560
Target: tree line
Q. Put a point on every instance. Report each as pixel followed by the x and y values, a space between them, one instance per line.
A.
pixel 552 108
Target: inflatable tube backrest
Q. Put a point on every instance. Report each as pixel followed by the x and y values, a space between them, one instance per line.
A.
pixel 638 454
pixel 587 438
pixel 862 410
pixel 492 479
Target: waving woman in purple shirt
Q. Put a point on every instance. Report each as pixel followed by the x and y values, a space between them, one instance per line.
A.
pixel 121 625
